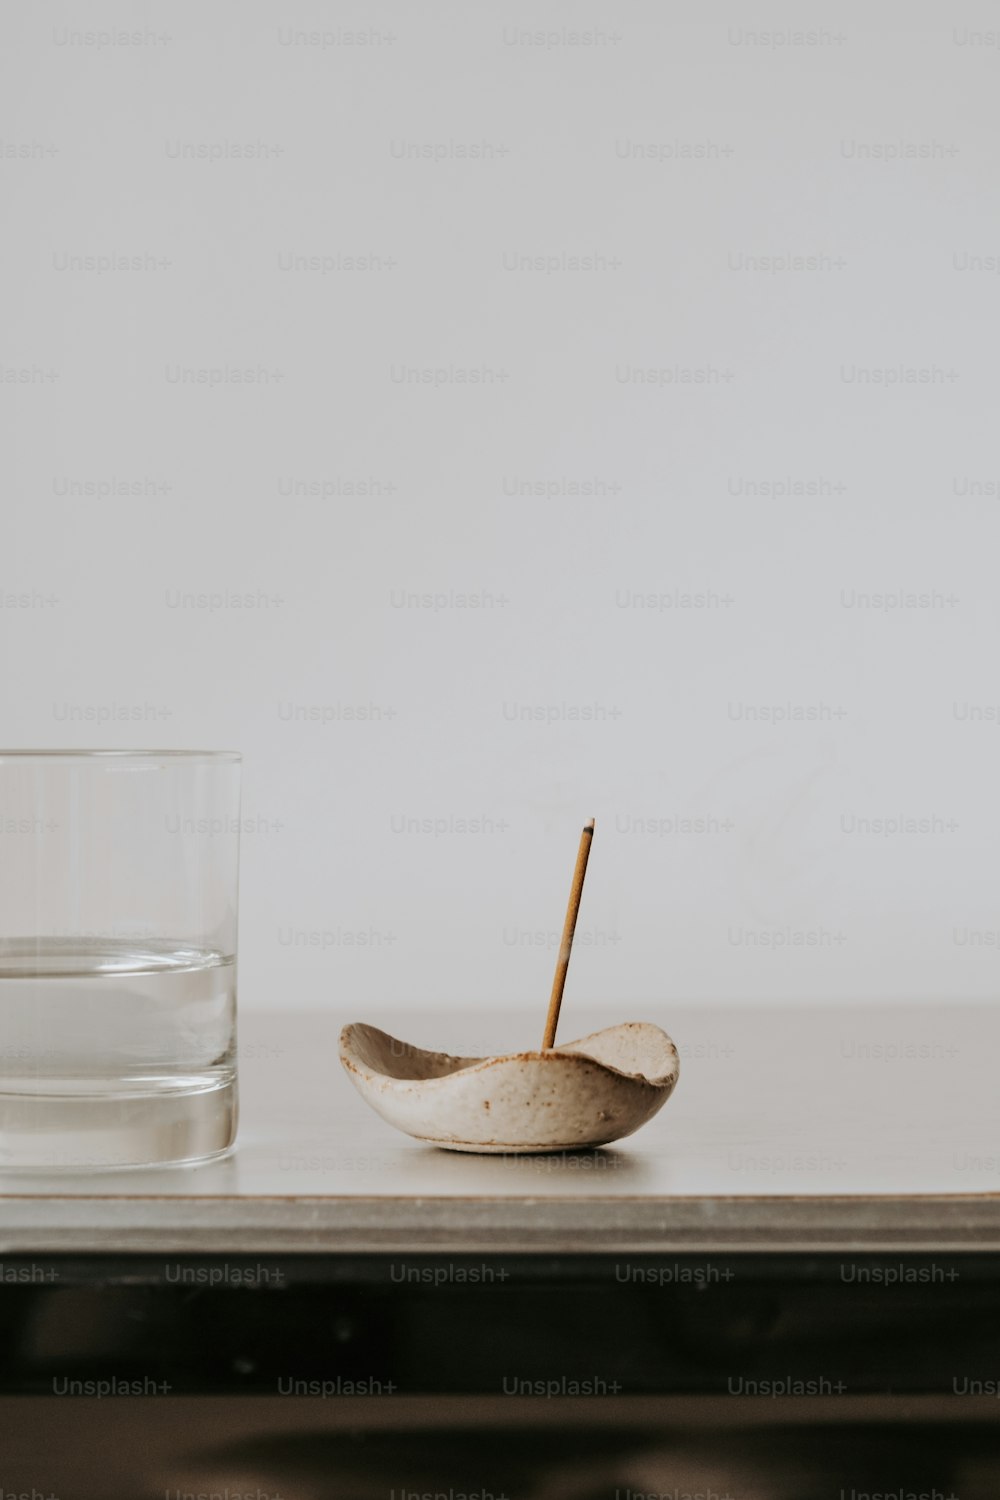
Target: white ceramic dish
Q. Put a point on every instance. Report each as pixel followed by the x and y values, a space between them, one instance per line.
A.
pixel 578 1094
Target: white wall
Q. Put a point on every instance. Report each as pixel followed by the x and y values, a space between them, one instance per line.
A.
pixel 908 478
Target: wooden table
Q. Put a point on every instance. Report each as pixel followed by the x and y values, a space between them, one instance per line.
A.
pixel 809 1129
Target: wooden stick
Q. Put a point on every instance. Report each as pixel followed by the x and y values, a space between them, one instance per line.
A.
pixel 569 927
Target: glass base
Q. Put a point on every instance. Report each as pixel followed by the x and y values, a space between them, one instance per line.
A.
pixel 90 1132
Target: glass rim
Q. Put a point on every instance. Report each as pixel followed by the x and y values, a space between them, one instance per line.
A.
pixel 88 754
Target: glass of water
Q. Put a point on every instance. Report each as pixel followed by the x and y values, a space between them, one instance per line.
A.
pixel 118 899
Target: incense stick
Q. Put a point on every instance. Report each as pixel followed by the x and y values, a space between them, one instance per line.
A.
pixel 569 927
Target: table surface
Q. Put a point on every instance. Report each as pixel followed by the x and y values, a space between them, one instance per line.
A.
pixel 791 1129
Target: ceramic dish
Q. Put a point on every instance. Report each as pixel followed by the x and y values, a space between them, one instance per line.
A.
pixel 575 1095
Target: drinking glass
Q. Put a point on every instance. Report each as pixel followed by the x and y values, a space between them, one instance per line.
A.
pixel 118 901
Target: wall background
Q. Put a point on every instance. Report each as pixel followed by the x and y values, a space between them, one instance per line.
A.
pixel 659 563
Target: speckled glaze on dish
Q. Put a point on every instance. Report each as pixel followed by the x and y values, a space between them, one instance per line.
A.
pixel 579 1094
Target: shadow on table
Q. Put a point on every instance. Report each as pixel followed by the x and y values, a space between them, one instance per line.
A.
pixel 610 1170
